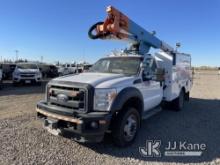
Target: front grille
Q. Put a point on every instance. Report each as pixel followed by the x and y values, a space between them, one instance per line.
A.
pixel 26 75
pixel 71 98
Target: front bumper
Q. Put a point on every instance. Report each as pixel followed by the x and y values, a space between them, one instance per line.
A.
pixel 19 79
pixel 85 127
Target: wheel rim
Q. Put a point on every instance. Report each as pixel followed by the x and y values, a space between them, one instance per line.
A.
pixel 130 127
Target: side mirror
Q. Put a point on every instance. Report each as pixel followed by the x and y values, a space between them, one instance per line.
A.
pixel 143 65
pixel 146 76
pixel 159 74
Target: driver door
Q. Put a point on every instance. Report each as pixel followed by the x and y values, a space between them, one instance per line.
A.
pixel 151 90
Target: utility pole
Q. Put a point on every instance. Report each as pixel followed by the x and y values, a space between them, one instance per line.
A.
pixel 83 55
pixel 41 58
pixel 16 54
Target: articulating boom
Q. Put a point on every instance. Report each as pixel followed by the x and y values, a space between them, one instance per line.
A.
pixel 119 26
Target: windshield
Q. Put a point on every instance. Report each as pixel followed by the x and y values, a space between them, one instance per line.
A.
pixel 27 66
pixel 119 65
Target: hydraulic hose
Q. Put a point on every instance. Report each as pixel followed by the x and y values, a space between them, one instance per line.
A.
pixel 96 36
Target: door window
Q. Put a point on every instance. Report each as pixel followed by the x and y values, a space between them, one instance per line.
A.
pixel 149 69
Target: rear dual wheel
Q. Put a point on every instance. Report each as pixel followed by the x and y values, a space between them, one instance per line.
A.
pixel 179 102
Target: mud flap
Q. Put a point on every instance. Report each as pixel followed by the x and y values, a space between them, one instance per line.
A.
pixel 186 97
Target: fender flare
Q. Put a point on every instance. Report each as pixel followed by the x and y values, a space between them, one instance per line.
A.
pixel 124 96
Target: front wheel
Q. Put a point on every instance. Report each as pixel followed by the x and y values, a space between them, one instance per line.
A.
pixel 126 126
pixel 15 84
pixel 38 83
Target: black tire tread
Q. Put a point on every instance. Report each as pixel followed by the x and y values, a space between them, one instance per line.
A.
pixel 176 105
pixel 118 126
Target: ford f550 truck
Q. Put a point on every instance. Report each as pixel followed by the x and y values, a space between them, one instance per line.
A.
pixel 119 90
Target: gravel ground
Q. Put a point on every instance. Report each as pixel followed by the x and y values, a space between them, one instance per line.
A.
pixel 23 141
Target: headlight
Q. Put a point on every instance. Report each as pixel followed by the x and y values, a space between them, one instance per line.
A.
pixel 16 74
pixel 103 99
pixel 48 92
pixel 38 74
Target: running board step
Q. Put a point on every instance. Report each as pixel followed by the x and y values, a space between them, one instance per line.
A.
pixel 151 112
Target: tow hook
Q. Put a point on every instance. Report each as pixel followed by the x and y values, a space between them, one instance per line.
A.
pixel 51 126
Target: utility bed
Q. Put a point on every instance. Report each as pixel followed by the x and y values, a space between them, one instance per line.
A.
pixel 177 73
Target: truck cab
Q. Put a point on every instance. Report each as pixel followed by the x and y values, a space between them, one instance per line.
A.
pixel 113 96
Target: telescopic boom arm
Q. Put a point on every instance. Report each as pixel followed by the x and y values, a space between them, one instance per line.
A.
pixel 119 26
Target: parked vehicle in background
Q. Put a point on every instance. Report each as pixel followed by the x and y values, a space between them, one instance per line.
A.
pixel 86 67
pixel 48 71
pixel 1 75
pixel 7 69
pixel 67 69
pixel 26 73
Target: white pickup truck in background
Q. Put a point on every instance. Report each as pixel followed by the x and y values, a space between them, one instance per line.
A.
pixel 115 95
pixel 73 68
pixel 67 69
pixel 26 73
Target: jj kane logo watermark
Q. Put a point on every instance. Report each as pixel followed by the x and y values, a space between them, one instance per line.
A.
pixel 172 148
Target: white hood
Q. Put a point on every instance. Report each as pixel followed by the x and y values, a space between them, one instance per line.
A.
pixel 95 79
pixel 27 70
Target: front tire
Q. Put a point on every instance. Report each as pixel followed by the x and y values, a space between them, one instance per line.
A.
pixel 126 126
pixel 1 84
pixel 39 84
pixel 15 84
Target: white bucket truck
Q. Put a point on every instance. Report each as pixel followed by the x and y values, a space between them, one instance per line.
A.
pixel 119 90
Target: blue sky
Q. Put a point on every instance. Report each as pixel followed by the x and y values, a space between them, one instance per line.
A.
pixel 57 29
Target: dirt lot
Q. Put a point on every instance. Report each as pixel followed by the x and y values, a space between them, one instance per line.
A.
pixel 23 141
